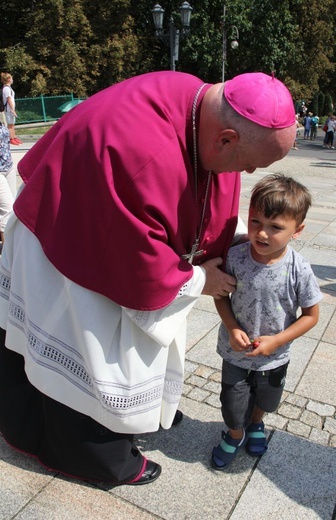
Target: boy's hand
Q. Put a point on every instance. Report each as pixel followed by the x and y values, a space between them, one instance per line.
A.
pixel 239 340
pixel 262 346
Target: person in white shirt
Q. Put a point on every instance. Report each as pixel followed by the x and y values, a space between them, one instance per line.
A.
pixel 8 99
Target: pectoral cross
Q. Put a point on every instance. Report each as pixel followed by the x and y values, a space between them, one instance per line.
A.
pixel 190 256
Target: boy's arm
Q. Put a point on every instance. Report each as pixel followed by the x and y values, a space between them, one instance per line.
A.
pixel 269 344
pixel 238 338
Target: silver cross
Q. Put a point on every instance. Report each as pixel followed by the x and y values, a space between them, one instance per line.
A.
pixel 190 256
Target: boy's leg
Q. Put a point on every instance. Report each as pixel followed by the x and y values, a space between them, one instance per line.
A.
pixel 257 415
pixel 268 387
pixel 237 407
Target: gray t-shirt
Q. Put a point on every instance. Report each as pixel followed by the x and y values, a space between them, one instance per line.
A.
pixel 266 301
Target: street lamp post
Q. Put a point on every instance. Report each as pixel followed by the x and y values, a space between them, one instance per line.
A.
pixel 174 36
pixel 234 41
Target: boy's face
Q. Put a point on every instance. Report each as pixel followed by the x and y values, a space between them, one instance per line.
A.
pixel 269 236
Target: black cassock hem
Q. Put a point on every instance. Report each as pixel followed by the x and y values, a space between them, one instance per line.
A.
pixel 60 438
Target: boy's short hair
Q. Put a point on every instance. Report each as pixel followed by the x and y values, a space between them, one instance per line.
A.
pixel 277 194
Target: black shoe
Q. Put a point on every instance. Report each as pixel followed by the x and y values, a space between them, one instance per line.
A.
pixel 151 473
pixel 178 418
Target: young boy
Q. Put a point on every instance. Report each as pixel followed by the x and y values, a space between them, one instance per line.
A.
pixel 260 321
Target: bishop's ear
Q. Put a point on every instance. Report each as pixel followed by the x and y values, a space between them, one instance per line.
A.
pixel 226 137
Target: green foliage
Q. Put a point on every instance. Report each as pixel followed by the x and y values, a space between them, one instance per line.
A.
pixel 328 105
pixel 321 103
pixel 80 46
pixel 313 107
pixel 28 116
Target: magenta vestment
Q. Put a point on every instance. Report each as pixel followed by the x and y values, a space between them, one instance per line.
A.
pixel 110 192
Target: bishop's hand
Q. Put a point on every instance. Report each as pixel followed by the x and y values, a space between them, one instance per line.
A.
pixel 218 284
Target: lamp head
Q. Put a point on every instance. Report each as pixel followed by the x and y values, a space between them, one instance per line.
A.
pixel 185 10
pixel 158 12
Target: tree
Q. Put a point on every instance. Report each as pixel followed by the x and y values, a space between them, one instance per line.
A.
pixel 60 46
pixel 328 105
pixel 321 104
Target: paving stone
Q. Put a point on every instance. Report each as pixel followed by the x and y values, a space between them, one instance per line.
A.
pixel 196 381
pixel 206 303
pixel 319 382
pixel 319 436
pixel 204 371
pixel 200 328
pixel 197 394
pixel 189 366
pixel 298 428
pixel 330 425
pixel 293 481
pixel 290 411
pixel 214 387
pixel 326 410
pixel 327 308
pixel 284 395
pixel 20 480
pixel 273 420
pixel 69 500
pixel 216 376
pixel 187 389
pixel 204 351
pixel 329 335
pixel 312 419
pixel 213 400
pixel 302 350
pixel 296 400
pixel 332 441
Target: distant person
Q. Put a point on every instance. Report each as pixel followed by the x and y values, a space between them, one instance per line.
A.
pixel 8 97
pixel 306 126
pixel 303 110
pixel 329 137
pixel 314 126
pixel 325 128
pixel 295 147
pixel 259 321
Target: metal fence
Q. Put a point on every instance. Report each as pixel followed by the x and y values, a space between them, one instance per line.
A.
pixel 42 108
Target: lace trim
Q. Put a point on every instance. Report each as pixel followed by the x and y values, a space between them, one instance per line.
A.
pixel 5 282
pixel 173 390
pixel 183 289
pixel 56 359
pixel 125 403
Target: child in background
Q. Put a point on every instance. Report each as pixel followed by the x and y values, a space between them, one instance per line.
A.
pixel 259 321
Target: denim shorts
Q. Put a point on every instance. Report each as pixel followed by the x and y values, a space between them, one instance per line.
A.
pixel 9 118
pixel 243 389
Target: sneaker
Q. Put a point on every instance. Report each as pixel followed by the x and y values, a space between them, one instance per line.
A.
pixel 13 141
pixel 18 140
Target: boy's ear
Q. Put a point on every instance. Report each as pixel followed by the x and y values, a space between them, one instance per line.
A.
pixel 298 231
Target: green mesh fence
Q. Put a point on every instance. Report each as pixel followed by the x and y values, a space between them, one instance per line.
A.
pixel 41 109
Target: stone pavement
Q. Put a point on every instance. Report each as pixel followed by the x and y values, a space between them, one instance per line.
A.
pixel 295 479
